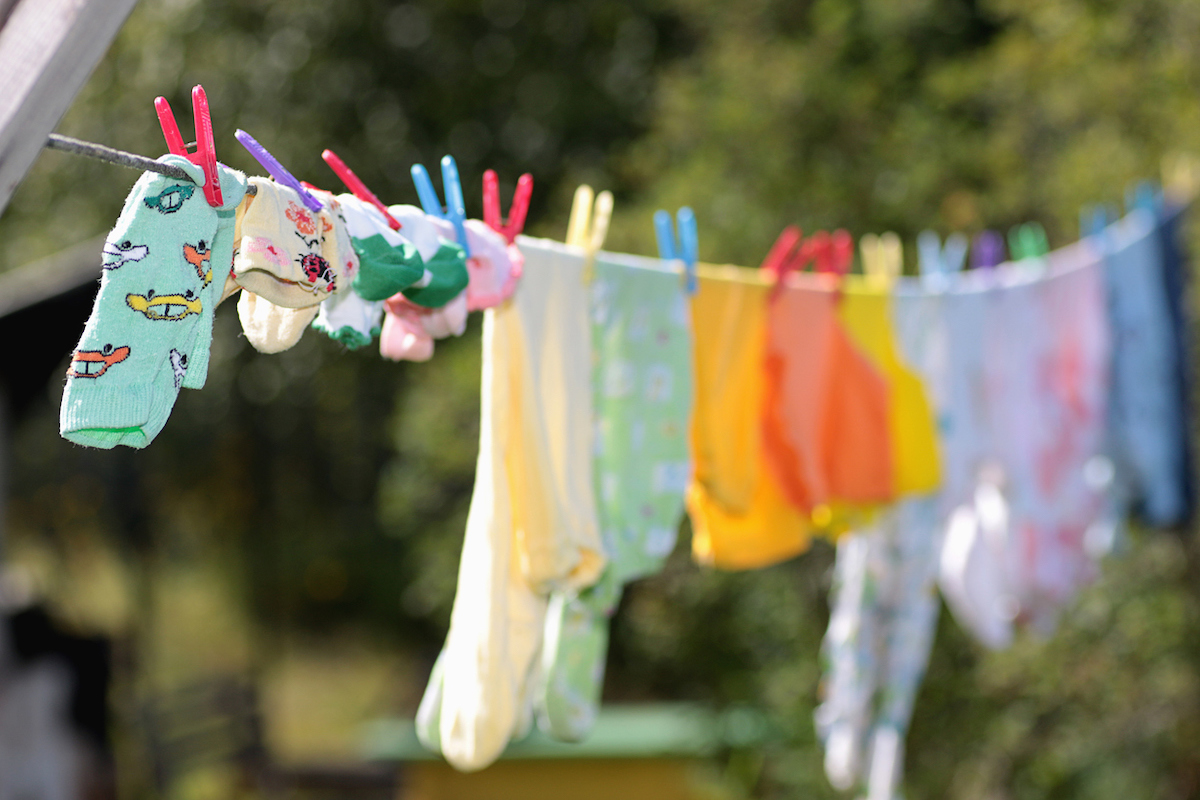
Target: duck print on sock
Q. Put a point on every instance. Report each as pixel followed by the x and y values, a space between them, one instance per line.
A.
pixel 83 361
pixel 170 307
pixel 171 200
pixel 199 256
pixel 178 366
pixel 117 254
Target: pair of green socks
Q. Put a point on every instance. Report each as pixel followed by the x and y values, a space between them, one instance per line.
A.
pixel 150 330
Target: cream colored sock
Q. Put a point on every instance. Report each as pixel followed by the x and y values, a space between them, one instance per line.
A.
pixel 271 328
pixel 287 254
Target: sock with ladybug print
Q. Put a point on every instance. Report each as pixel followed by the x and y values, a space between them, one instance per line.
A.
pixel 151 323
pixel 280 297
pixel 288 254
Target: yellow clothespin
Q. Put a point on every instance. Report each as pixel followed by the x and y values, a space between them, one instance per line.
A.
pixel 882 257
pixel 589 225
pixel 1181 177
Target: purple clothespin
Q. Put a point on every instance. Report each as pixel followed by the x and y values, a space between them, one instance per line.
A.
pixel 275 169
pixel 987 250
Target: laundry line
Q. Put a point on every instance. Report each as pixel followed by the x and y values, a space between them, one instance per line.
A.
pixel 111 155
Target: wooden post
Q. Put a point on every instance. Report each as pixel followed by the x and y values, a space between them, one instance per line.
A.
pixel 48 48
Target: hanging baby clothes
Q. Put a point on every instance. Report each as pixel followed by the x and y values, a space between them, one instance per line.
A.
pixel 1147 426
pixel 409 329
pixel 740 518
pixel 432 308
pixel 532 527
pixel 1048 390
pixel 1176 277
pixel 445 260
pixel 1018 365
pixel 882 621
pixel 150 329
pixel 387 264
pixel 493 267
pixel 288 261
pixel 865 311
pixel 826 413
pixel 642 394
pixel 883 603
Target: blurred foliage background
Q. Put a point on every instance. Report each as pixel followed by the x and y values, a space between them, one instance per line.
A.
pixel 301 517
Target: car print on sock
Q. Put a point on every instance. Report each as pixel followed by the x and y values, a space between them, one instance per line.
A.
pixel 172 199
pixel 118 254
pixel 94 363
pixel 199 256
pixel 170 307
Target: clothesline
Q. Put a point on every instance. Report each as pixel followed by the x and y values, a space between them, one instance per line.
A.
pixel 111 155
pixel 951 430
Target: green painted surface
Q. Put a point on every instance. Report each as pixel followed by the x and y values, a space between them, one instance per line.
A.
pixel 636 731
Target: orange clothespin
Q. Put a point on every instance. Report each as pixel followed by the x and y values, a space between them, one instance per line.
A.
pixel 206 154
pixel 516 214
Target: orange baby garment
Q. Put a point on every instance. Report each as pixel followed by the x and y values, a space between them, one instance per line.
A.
pixel 825 418
pixel 740 520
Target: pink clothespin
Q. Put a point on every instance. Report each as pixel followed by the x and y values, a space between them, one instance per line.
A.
pixel 834 252
pixel 206 154
pixel 516 214
pixel 790 253
pixel 357 187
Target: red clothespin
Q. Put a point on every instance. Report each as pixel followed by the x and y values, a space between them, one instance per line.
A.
pixel 783 257
pixel 516 214
pixel 834 253
pixel 357 187
pixel 206 153
pixel 842 251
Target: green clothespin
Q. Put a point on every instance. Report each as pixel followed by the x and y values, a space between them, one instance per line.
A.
pixel 1028 241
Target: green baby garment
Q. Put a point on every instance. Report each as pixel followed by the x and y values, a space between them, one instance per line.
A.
pixel 642 396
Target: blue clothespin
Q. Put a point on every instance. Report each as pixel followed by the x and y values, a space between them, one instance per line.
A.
pixel 1093 220
pixel 938 262
pixel 938 259
pixel 1146 195
pixel 685 247
pixel 455 209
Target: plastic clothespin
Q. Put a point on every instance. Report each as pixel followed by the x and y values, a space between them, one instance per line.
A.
pixel 276 170
pixel 832 253
pixel 1028 240
pixel 783 257
pixel 588 225
pixel 516 213
pixel 685 247
pixel 357 187
pixel 1146 196
pixel 936 259
pixel 1093 219
pixel 1181 177
pixel 206 154
pixel 882 256
pixel 987 250
pixel 455 209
